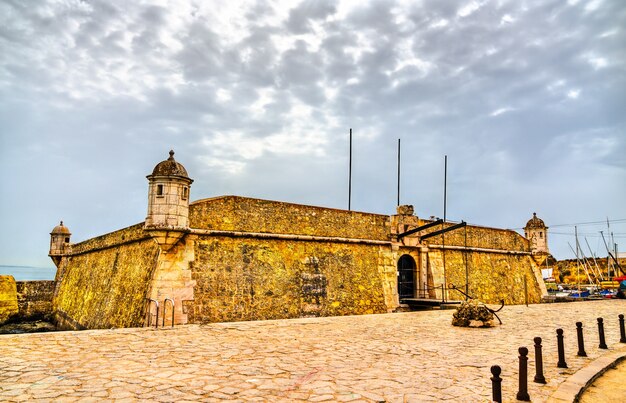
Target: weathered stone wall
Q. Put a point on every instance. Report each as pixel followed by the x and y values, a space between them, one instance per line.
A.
pixel 498 261
pixel 492 276
pixel 247 259
pixel 105 281
pixel 34 298
pixel 233 213
pixel 250 279
pixel 8 298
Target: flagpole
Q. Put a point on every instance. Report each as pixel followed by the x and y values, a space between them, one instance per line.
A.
pixel 350 174
pixel 398 172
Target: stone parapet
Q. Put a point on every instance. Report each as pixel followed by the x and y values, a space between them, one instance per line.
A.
pixel 234 213
pixel 123 236
pixel 480 237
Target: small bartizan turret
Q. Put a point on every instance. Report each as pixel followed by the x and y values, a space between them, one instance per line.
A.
pixel 537 233
pixel 59 243
pixel 168 202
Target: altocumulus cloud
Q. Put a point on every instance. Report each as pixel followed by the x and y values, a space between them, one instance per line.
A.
pixel 256 98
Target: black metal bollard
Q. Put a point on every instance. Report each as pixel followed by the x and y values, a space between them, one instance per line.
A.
pixel 496 384
pixel 581 341
pixel 539 378
pixel 522 393
pixel 622 332
pixel 601 334
pixel 559 342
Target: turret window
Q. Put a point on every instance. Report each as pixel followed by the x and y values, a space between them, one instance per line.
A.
pixel 159 190
pixel 541 235
pixel 185 193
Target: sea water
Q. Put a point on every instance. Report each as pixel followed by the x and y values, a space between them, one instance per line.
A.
pixel 24 273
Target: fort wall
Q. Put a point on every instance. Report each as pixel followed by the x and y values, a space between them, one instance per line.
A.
pixel 105 281
pixel 252 279
pixel 499 263
pixel 513 278
pixel 233 270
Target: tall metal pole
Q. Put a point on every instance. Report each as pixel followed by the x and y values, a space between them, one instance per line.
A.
pixel 608 233
pixel 398 172
pixel 443 236
pixel 350 174
pixel 577 261
pixel 466 269
pixel 445 185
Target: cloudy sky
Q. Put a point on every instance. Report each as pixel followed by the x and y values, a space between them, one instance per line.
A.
pixel 526 98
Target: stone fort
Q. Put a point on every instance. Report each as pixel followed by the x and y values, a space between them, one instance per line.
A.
pixel 231 258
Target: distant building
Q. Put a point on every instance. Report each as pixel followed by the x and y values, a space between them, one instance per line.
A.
pixel 233 258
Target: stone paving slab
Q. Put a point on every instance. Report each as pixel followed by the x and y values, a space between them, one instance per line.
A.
pixel 402 357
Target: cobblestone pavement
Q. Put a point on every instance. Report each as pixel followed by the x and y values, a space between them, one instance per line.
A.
pixel 401 357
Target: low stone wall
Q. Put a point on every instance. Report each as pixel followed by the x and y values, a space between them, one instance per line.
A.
pixel 34 298
pixel 24 300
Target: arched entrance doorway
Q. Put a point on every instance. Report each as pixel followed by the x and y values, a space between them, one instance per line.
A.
pixel 406 277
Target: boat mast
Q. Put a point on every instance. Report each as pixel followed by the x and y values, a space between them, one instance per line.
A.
pixel 611 255
pixel 597 270
pixel 587 266
pixel 608 258
pixel 578 266
pixel 608 232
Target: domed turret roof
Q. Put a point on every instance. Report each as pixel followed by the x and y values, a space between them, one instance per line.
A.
pixel 535 222
pixel 170 167
pixel 60 230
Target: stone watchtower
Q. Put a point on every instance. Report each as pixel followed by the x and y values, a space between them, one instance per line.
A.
pixel 168 202
pixel 537 233
pixel 59 243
